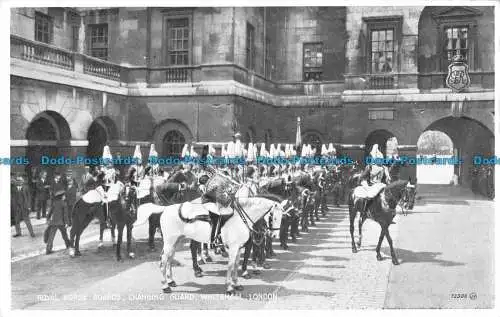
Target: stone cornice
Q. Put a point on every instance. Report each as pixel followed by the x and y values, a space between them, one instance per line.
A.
pixel 51 74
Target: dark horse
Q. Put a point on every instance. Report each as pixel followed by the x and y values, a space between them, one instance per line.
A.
pixel 381 209
pixel 120 213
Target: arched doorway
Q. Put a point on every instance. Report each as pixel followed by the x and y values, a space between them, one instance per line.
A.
pixel 379 137
pixel 173 142
pixel 169 137
pixel 470 137
pixel 101 132
pixel 47 133
pixel 435 144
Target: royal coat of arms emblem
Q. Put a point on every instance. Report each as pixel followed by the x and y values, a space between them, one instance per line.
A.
pixel 458 74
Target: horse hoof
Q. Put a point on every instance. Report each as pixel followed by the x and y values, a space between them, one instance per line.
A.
pixel 172 284
pixel 354 250
pixel 100 245
pixel 224 254
pixel 238 287
pixel 167 290
pixel 200 262
pixel 77 253
pixel 198 274
pixel 395 261
pixel 379 257
pixel 208 259
pixel 119 259
pixel 131 255
pixel 246 275
pixel 71 252
pixel 230 293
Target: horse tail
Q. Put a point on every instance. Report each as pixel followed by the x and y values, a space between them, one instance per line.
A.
pixel 146 210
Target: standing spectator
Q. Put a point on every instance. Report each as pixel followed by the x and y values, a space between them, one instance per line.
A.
pixel 22 201
pixel 42 195
pixel 86 177
pixel 71 190
pixel 32 182
pixel 57 185
pixel 57 219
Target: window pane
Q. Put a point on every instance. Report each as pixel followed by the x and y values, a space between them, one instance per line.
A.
pixel 374 36
pixel 382 36
pixel 389 34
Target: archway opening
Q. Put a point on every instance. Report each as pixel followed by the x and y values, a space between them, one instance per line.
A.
pixel 435 144
pixel 379 137
pixel 173 142
pixel 470 138
pixel 101 132
pixel 47 133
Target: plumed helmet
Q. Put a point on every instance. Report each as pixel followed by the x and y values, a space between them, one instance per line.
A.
pixel 375 153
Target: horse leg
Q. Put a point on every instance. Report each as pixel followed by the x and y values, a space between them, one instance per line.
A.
pixel 205 256
pixel 246 255
pixel 131 254
pixel 152 231
pixel 77 233
pixel 233 251
pixel 102 227
pixel 113 227
pixel 119 243
pixel 380 239
pixel 352 217
pixel 236 286
pixel 166 264
pixel 360 227
pixel 389 239
pixel 194 246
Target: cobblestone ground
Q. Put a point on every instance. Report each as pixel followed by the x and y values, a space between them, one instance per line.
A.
pixel 319 271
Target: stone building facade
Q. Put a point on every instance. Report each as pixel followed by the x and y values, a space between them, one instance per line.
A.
pixel 356 76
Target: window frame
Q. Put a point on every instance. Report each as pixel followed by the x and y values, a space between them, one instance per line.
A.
pixel 471 25
pixel 91 47
pixel 40 16
pixel 166 145
pixel 250 47
pixel 308 70
pixel 381 23
pixel 75 39
pixel 166 38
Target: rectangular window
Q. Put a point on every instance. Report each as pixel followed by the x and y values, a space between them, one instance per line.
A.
pixel 313 61
pixel 43 28
pixel 75 35
pixel 99 41
pixel 178 46
pixel 456 42
pixel 250 47
pixel 382 51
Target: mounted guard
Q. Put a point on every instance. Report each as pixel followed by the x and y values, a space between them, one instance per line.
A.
pixel 373 180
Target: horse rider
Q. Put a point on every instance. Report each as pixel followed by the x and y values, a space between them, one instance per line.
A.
pixel 251 180
pixel 374 178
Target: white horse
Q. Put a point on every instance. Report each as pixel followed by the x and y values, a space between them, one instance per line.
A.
pixel 191 220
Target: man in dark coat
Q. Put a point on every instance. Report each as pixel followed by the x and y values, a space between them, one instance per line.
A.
pixel 56 185
pixel 57 219
pixel 42 195
pixel 71 190
pixel 22 204
pixel 86 177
